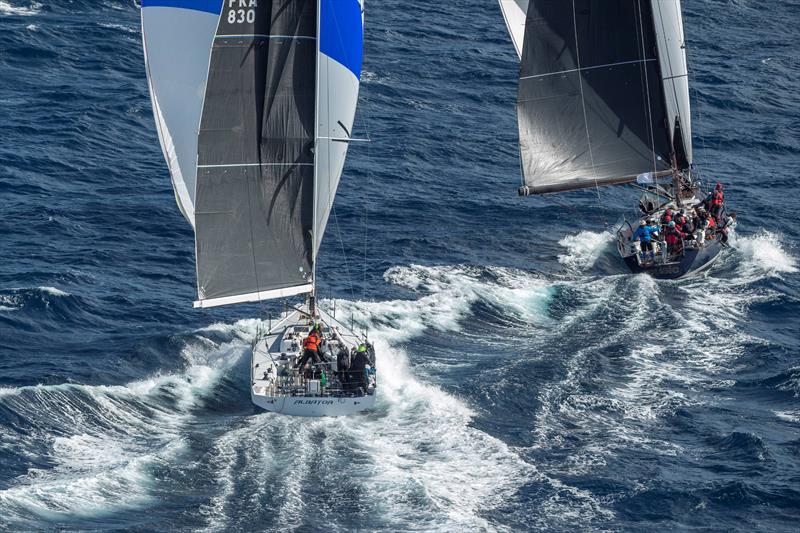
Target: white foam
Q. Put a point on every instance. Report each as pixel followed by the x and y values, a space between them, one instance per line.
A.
pixel 446 297
pixel 7 9
pixel 8 303
pixel 584 248
pixel 120 27
pixel 105 441
pixel 417 444
pixel 789 416
pixel 54 291
pixel 765 251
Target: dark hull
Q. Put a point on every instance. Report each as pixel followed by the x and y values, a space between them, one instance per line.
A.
pixel 692 262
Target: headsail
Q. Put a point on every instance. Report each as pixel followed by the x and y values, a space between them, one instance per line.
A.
pixel 675 75
pixel 591 107
pixel 514 13
pixel 341 38
pixel 177 36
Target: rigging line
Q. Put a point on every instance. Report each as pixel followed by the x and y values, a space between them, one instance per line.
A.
pixel 344 256
pixel 647 89
pixel 370 186
pixel 366 205
pixel 583 106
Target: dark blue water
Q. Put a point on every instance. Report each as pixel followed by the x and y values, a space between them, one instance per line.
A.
pixel 527 381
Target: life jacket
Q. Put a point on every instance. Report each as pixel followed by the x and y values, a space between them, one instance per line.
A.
pixel 718 198
pixel 311 342
pixel 672 238
pixel 711 222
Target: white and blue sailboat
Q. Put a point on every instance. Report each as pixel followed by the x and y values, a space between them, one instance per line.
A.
pixel 254 102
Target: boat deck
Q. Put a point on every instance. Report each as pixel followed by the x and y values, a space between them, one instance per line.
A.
pixel 696 252
pixel 276 376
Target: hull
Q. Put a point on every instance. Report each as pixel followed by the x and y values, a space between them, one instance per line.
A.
pixel 693 262
pixel 312 406
pixel 699 249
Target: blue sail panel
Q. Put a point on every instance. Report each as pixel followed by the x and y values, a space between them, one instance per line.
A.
pixel 341 33
pixel 209 6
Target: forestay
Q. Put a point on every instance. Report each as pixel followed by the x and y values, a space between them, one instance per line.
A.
pixel 592 108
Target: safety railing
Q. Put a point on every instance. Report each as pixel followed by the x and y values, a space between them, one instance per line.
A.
pixel 320 381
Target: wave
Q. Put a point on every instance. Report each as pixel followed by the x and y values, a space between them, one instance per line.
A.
pixel 584 248
pixel 447 295
pixel 765 252
pixel 95 449
pixel 18 298
pixel 33 8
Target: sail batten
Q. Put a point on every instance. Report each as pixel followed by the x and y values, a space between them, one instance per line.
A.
pixel 592 105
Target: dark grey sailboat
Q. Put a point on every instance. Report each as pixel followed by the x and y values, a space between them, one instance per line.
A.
pixel 604 100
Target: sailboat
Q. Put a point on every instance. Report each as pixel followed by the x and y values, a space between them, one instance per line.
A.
pixel 254 102
pixel 603 99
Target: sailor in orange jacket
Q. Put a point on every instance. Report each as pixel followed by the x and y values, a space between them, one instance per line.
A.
pixel 311 349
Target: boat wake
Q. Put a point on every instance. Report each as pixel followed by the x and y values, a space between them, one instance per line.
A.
pixel 97 450
pixel 427 456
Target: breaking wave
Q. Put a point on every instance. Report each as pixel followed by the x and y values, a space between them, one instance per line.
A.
pixel 7 8
pixel 765 252
pixel 97 449
pixel 584 248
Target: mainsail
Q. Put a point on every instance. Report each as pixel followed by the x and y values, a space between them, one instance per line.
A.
pixel 277 102
pixel 603 94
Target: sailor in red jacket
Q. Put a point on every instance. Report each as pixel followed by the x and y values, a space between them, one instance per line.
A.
pixel 717 199
pixel 674 238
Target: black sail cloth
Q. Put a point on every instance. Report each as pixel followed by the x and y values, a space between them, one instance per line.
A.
pixel 254 206
pixel 590 103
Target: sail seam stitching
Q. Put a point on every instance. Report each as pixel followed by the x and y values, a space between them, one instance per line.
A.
pixel 258 165
pixel 583 69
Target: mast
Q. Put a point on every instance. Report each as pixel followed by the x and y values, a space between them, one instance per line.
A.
pixel 314 240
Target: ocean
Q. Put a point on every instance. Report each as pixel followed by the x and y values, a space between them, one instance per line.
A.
pixel 527 382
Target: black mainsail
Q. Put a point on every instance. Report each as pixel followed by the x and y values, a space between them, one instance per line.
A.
pixel 602 93
pixel 255 170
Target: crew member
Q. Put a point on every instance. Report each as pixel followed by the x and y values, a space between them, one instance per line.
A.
pixel 645 234
pixel 728 226
pixel 674 238
pixel 310 349
pixel 358 376
pixel 717 199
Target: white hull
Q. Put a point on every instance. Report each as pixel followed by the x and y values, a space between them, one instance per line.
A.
pixel 312 406
pixel 277 386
